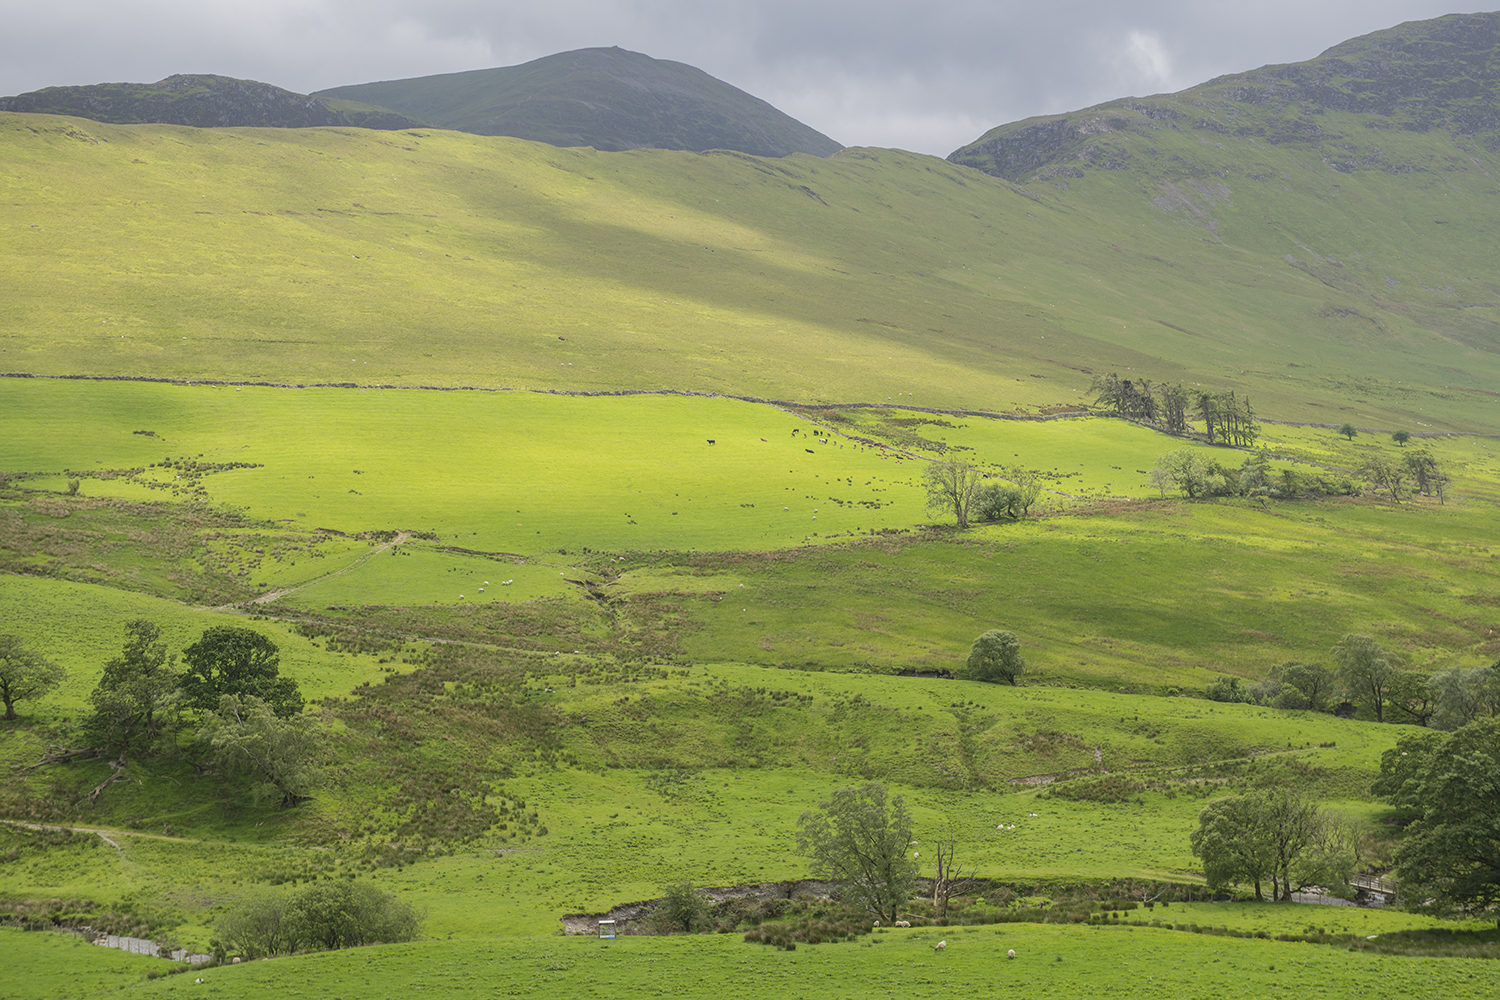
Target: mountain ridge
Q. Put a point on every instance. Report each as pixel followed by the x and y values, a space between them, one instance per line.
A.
pixel 203 100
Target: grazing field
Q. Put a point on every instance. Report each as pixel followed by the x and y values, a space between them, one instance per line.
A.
pixel 1050 962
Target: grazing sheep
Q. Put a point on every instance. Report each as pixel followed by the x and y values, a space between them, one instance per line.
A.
pixel 235 960
pixel 940 946
pixel 877 923
pixel 903 923
pixel 1011 953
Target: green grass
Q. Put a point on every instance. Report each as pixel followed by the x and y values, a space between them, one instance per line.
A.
pixel 44 964
pixel 1050 962
pixel 701 550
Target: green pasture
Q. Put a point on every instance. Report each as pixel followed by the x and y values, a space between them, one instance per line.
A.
pixel 427 257
pixel 54 965
pixel 1050 961
pixel 526 473
pixel 635 780
pixel 609 524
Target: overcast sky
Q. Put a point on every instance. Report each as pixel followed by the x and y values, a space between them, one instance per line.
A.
pixel 925 75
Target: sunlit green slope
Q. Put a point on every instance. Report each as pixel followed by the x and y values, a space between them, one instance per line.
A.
pixel 439 258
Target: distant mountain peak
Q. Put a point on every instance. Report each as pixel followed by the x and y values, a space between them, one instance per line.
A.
pixel 201 100
pixel 1442 73
pixel 609 98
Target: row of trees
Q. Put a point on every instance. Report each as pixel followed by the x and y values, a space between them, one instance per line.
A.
pixel 1278 836
pixel 1226 418
pixel 1367 674
pixel 1200 475
pixel 228 705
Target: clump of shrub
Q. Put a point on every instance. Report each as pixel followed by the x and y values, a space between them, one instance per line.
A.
pixel 824 923
pixel 324 916
pixel 1230 690
pixel 681 910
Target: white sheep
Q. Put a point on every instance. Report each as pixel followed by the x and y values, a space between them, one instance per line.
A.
pixel 903 923
pixel 940 946
pixel 877 923
pixel 1011 953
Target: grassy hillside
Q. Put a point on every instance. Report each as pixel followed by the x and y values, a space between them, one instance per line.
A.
pixel 438 258
pixel 609 99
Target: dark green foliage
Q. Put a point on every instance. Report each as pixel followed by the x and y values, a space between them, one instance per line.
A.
pixel 859 840
pixel 608 98
pixel 1303 685
pixel 228 660
pixel 328 914
pixel 1462 695
pixel 1450 857
pixel 137 699
pixel 1228 689
pixel 24 674
pixel 995 657
pixel 1349 431
pixel 1401 437
pixel 1412 698
pixel 1402 769
pixel 997 500
pixel 1426 473
pixel 1367 671
pixel 1276 834
pixel 256 927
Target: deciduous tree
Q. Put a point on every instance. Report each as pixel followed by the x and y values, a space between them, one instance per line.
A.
pixel 24 674
pixel 1449 858
pixel 1310 685
pixel 861 841
pixel 138 697
pixel 278 756
pixel 1463 694
pixel 994 657
pixel 237 661
pixel 952 488
pixel 1366 670
pixel 1186 469
pixel 1277 834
